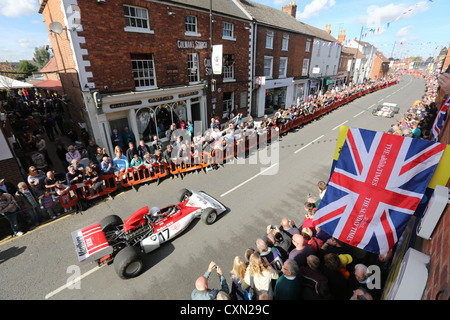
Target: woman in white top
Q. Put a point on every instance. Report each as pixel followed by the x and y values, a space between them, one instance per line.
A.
pixel 262 273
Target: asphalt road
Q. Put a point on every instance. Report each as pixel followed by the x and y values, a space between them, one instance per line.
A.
pixel 40 264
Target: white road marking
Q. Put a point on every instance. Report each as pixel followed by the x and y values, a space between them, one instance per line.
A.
pixel 71 283
pixel 371 106
pixel 358 114
pixel 339 125
pixel 248 180
pixel 308 144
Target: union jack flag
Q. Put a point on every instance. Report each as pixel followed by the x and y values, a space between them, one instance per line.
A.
pixel 439 121
pixel 375 188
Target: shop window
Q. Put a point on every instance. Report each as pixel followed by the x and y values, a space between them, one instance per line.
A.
pixel 275 98
pixel 145 119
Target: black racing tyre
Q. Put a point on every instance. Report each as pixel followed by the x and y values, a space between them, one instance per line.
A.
pixel 128 263
pixel 209 216
pixel 379 107
pixel 396 109
pixel 109 223
pixel 374 111
pixel 184 194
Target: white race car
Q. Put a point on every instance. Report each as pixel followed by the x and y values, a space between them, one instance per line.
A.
pixel 386 110
pixel 123 242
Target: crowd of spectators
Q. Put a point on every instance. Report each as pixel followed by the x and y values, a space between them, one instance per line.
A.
pixel 418 119
pixel 298 262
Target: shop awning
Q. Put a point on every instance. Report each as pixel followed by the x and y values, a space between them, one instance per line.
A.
pixel 53 85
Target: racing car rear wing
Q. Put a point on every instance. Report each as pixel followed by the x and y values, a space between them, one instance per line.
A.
pixel 90 243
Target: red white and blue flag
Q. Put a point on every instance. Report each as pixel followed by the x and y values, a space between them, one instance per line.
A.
pixel 375 188
pixel 439 121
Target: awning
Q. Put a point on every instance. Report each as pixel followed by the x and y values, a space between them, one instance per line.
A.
pixel 8 83
pixel 53 85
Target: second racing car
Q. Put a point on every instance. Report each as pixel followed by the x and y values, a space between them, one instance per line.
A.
pixel 122 242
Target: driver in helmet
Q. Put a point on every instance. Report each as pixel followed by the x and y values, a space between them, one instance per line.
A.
pixel 155 214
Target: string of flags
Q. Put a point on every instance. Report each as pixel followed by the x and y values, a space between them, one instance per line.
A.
pixel 386 26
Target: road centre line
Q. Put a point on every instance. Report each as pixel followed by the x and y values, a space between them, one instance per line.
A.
pixel 338 126
pixel 248 180
pixel 71 283
pixel 358 114
pixel 371 106
pixel 308 144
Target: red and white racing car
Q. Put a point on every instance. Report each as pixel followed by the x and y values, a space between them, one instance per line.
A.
pixel 386 110
pixel 122 242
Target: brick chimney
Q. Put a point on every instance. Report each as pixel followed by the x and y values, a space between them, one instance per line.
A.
pixel 341 37
pixel 291 8
pixel 327 28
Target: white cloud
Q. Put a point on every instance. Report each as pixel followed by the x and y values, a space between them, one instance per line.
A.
pixel 17 9
pixel 377 16
pixel 314 8
pixel 29 43
pixel 403 32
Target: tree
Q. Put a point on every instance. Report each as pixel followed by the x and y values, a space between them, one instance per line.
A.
pixel 26 68
pixel 41 56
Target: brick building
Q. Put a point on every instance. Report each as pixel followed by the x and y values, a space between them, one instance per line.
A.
pixel 146 64
pixel 380 67
pixel 282 52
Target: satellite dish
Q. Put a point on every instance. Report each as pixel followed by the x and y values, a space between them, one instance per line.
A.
pixel 56 27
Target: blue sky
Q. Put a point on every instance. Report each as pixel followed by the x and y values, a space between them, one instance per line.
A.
pixel 419 27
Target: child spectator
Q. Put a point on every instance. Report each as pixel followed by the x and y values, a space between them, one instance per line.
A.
pixel 49 204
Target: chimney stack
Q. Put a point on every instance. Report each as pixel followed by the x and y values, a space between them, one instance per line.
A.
pixel 290 9
pixel 327 28
pixel 341 37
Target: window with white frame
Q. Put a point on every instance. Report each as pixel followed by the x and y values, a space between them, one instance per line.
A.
pixel 228 31
pixel 283 67
pixel 305 67
pixel 136 19
pixel 269 40
pixel 143 71
pixel 308 45
pixel 268 64
pixel 190 25
pixel 285 43
pixel 228 67
pixel 193 68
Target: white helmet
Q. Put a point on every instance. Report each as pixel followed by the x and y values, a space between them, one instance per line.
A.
pixel 155 212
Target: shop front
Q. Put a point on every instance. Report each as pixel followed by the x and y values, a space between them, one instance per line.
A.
pixel 275 94
pixel 149 113
pixel 300 91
